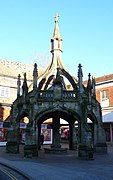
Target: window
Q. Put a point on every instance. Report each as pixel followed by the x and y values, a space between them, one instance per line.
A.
pixel 104 95
pixel 4 92
pixel 104 98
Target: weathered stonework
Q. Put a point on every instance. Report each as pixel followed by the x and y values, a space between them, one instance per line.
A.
pixel 50 98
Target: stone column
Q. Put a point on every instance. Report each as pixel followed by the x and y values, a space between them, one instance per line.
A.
pixel 56 133
pixel 72 137
pixel 30 148
pixel 95 134
pixel 39 133
pixel 101 145
pixel 12 145
pixel 85 148
pixel 79 132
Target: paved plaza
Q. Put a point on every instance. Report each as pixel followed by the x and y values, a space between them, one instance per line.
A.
pixel 62 167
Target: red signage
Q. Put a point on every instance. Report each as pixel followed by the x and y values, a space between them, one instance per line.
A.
pixel 47 136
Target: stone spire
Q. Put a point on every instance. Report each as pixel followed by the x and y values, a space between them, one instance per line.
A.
pixel 47 78
pixel 35 75
pixel 89 84
pixel 56 41
pixel 56 34
pixel 89 87
pixel 93 86
pixel 80 76
pixel 25 87
pixel 18 85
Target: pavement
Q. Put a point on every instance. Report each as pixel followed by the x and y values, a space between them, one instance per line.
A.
pixel 61 167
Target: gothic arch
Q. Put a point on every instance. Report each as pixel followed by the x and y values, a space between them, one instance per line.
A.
pixel 92 117
pixel 61 112
pixel 56 114
pixel 22 115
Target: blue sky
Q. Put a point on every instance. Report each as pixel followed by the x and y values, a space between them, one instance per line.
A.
pixel 86 27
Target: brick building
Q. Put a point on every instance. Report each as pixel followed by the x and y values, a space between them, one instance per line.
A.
pixel 104 94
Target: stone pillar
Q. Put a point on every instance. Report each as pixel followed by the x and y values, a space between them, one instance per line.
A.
pixel 95 134
pixel 56 146
pixel 12 145
pixel 101 146
pixel 72 137
pixel 79 132
pixel 30 148
pixel 75 140
pixel 56 134
pixel 39 133
pixel 85 147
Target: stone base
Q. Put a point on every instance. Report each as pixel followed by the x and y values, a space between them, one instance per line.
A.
pixel 85 152
pixel 12 147
pixel 100 148
pixel 56 150
pixel 30 151
pixel 75 146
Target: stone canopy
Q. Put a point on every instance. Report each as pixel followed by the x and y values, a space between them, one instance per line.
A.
pixel 52 98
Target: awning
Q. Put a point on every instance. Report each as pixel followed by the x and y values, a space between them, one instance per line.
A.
pixel 107 117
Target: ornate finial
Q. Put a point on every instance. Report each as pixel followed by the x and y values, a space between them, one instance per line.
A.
pixel 19 82
pixel 35 75
pixel 89 75
pixel 25 77
pixel 35 66
pixel 25 87
pixel 79 66
pixel 93 85
pixel 80 74
pixel 18 86
pixel 56 17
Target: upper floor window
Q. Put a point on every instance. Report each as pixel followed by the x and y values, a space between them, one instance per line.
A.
pixel 104 97
pixel 4 92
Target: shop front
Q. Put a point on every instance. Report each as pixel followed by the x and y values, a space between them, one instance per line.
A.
pixel 108 126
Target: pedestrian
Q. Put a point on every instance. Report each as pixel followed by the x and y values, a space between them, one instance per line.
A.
pixel 41 139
